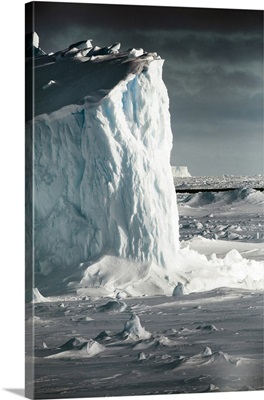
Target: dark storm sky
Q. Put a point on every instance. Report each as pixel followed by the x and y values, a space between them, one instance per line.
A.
pixel 213 71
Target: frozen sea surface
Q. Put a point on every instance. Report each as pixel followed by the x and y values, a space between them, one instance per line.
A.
pixel 232 215
pixel 202 342
pixel 218 182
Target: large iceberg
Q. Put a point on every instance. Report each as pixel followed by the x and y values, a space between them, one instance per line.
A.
pixel 102 181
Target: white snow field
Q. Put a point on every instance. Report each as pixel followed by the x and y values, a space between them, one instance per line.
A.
pixel 155 346
pixel 121 306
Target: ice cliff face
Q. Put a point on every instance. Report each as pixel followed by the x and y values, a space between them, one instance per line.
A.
pixel 102 181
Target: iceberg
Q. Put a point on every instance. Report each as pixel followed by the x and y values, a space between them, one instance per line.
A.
pixel 180 172
pixel 102 181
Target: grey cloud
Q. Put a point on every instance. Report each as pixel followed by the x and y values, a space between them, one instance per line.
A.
pixel 215 149
pixel 215 94
pixel 191 46
pixel 213 71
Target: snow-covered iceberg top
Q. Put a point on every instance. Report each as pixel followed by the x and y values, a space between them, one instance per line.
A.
pixel 80 73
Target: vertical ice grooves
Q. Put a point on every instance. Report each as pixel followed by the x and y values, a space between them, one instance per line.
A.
pixel 105 177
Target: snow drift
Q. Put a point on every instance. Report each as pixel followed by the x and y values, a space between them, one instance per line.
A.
pixel 78 349
pixel 244 195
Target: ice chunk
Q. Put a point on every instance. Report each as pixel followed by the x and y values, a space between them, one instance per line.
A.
pixel 38 298
pixel 199 225
pixel 49 84
pixel 207 327
pixel 207 352
pixel 141 356
pixel 212 388
pixel 134 330
pixel 179 290
pixel 233 257
pixel 83 44
pixel 35 39
pixel 136 52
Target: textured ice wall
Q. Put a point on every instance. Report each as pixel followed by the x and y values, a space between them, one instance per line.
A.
pixel 103 181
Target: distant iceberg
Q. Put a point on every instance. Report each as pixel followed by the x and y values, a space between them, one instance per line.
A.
pixel 180 172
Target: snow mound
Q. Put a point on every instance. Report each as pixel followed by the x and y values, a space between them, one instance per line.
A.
pixel 207 327
pixel 103 336
pixel 164 341
pixel 49 84
pixel 35 321
pixel 194 271
pixel 248 195
pixel 221 358
pixel 86 349
pixel 212 388
pixel 32 45
pixel 73 343
pixel 207 352
pixel 81 45
pixel 180 172
pixel 136 52
pixel 38 298
pixel 133 329
pixel 141 356
pixel 114 306
pixel 135 278
pixel 216 360
pixel 234 271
